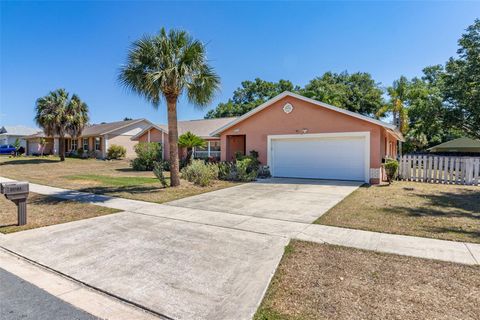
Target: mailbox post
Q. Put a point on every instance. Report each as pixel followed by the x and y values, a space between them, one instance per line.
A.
pixel 17 192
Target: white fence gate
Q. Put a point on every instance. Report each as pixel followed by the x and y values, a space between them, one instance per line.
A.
pixel 440 169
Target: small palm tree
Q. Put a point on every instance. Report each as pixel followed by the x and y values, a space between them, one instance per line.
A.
pixel 59 114
pixel 164 67
pixel 189 140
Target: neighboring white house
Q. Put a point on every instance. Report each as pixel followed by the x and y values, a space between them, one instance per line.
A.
pixel 9 134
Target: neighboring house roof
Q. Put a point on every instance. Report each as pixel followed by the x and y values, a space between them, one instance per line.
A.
pixel 390 127
pixel 201 128
pixel 457 145
pixel 99 129
pixel 17 130
pixel 104 128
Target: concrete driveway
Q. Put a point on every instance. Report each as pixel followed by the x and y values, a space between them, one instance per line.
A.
pixel 298 200
pixel 182 270
pixel 206 257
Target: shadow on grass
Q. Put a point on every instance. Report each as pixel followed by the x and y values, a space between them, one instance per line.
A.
pixel 475 234
pixel 94 194
pixel 50 200
pixel 29 161
pixel 8 225
pixel 123 189
pixel 464 203
pixel 128 170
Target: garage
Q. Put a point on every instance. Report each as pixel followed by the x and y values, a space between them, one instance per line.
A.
pixel 339 156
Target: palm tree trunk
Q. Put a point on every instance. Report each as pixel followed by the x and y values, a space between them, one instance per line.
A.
pixel 61 147
pixel 173 141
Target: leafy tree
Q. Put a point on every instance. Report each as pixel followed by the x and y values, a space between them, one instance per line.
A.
pixel 356 92
pixel 426 110
pixel 60 114
pixel 250 95
pixel 462 83
pixel 189 140
pixel 164 67
pixel 127 119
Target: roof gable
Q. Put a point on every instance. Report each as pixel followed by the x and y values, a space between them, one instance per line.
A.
pixel 270 102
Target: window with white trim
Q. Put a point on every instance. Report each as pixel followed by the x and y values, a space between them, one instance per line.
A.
pixel 74 144
pixel 85 144
pixel 97 143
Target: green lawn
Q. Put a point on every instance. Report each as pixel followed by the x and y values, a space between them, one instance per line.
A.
pixel 449 212
pixel 113 178
pixel 114 181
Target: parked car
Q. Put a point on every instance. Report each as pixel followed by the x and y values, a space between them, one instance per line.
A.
pixel 7 149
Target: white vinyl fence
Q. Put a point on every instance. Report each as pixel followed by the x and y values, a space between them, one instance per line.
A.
pixel 440 169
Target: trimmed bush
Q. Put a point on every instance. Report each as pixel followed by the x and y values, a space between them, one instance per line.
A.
pixel 391 169
pixel 200 173
pixel 116 152
pixel 147 154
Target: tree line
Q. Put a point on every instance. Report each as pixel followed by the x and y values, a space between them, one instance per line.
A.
pixel 441 104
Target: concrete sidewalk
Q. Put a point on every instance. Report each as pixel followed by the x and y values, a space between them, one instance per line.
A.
pixel 459 252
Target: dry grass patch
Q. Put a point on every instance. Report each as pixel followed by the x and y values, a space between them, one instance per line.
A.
pixel 113 178
pixel 45 211
pixel 448 212
pixel 319 281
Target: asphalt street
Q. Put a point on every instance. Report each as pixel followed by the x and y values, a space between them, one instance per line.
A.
pixel 22 300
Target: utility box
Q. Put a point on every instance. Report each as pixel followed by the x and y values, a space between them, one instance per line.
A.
pixel 17 192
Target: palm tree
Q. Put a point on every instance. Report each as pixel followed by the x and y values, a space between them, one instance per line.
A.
pixel 59 114
pixel 164 67
pixel 397 106
pixel 189 140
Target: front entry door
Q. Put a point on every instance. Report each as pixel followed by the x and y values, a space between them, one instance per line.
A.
pixel 235 144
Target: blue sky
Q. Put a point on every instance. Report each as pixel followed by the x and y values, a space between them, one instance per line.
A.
pixel 80 46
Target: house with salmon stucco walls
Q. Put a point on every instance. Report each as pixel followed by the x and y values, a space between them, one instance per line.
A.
pixel 296 137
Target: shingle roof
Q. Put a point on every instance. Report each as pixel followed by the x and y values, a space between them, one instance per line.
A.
pixel 201 128
pixel 458 145
pixel 18 130
pixel 97 129
pixel 102 128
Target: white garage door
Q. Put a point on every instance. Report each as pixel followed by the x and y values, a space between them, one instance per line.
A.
pixel 340 158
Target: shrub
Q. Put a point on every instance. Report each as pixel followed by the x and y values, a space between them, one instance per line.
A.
pixel 147 154
pixel 245 172
pixel 227 171
pixel 263 172
pixel 200 173
pixel 391 169
pixel 158 171
pixel 116 152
